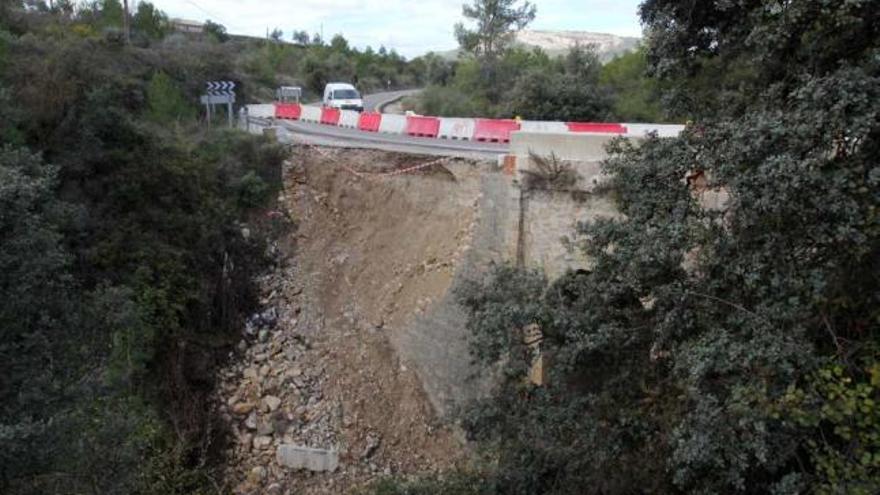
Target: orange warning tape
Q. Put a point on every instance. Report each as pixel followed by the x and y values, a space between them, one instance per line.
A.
pixel 368 175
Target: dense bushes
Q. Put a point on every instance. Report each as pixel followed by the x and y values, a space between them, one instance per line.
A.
pixel 312 65
pixel 711 350
pixel 495 77
pixel 576 87
pixel 125 273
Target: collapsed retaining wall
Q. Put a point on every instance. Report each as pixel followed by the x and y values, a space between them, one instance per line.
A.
pixel 437 342
pixel 481 215
pixel 516 226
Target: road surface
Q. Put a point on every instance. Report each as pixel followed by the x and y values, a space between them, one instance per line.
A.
pixel 326 135
pixel 297 131
pixel 375 102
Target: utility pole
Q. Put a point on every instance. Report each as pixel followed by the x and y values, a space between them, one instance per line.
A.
pixel 126 27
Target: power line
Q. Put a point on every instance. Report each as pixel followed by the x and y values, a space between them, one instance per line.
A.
pixel 210 14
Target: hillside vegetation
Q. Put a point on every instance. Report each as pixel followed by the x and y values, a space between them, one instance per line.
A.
pixel 125 266
pixel 730 350
pixel 497 75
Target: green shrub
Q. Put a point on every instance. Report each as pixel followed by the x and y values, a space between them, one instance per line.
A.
pixel 450 102
pixel 166 102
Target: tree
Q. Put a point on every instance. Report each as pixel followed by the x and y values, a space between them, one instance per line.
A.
pixel 276 35
pixel 339 44
pixel 496 23
pixel 301 37
pixel 636 94
pixel 731 347
pixel 166 103
pixel 111 13
pixel 150 21
pixel 216 32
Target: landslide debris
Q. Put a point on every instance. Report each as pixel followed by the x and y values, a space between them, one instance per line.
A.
pixel 317 383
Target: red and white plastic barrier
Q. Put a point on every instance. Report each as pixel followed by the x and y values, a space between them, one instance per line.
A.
pixel 453 128
pixel 311 114
pixel 486 130
pixel 493 130
pixel 595 127
pixel 392 124
pixel 370 121
pixel 417 125
pixel 288 111
pixel 261 111
pixel 662 130
pixel 330 116
pixel 349 119
pixel 543 126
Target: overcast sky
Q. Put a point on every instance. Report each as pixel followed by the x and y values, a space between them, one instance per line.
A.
pixel 413 27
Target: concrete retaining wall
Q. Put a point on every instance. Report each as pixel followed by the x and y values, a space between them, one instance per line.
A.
pixel 549 224
pixel 437 342
pixel 585 152
pixel 570 146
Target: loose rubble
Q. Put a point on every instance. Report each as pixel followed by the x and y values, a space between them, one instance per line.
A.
pixel 315 399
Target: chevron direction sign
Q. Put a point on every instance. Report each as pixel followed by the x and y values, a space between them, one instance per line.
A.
pixel 221 88
pixel 219 93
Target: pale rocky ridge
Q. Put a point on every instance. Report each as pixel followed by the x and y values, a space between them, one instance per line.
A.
pixel 558 42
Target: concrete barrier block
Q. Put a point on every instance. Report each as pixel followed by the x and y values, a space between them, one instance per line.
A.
pixel 585 152
pixel 311 114
pixel 393 124
pixel 567 146
pixel 349 118
pixel 297 457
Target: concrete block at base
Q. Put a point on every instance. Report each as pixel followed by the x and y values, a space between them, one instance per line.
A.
pixel 297 457
pixel 583 151
pixel 311 114
pixel 567 146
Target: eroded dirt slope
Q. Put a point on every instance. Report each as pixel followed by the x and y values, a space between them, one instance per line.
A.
pixel 370 255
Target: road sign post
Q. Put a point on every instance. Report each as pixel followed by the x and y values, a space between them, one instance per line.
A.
pixel 219 93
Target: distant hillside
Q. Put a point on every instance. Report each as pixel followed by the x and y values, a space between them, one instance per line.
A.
pixel 557 43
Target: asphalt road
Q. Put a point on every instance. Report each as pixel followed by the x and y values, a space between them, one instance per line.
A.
pixel 299 132
pixel 374 102
pixel 325 135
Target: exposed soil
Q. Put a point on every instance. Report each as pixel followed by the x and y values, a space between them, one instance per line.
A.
pixel 369 254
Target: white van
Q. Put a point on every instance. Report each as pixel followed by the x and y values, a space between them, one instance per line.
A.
pixel 343 96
